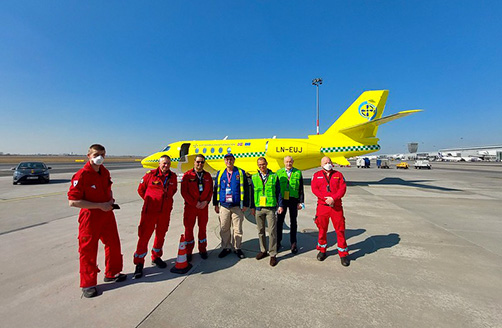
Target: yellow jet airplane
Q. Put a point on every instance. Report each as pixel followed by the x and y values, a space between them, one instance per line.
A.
pixel 353 134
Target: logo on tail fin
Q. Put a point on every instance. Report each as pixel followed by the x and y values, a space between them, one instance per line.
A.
pixel 367 110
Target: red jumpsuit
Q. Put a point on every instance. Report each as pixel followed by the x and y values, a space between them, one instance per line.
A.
pixel 95 224
pixel 193 190
pixel 157 191
pixel 336 190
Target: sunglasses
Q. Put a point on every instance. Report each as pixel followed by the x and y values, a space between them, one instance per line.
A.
pixel 199 162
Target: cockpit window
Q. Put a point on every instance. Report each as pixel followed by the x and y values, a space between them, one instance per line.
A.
pixel 167 148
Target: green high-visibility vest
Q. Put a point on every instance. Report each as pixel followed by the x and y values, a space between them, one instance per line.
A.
pixel 264 193
pixel 293 185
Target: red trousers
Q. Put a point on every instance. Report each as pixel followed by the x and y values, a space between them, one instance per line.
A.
pixel 323 213
pixel 190 215
pixel 148 223
pixel 96 225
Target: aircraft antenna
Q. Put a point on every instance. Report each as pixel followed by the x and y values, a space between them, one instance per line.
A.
pixel 225 138
pixel 317 82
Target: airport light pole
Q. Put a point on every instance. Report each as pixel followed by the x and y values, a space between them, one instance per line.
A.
pixel 317 82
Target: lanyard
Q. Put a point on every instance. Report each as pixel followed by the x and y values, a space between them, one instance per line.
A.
pixel 166 179
pixel 264 180
pixel 328 187
pixel 229 178
pixel 200 176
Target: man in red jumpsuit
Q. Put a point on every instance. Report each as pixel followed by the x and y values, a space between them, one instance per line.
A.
pixel 329 187
pixel 197 191
pixel 157 189
pixel 91 191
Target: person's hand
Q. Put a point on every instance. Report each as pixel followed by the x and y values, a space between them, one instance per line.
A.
pixel 280 210
pixel 217 209
pixel 106 207
pixel 244 208
pixel 299 206
pixel 202 204
pixel 330 201
pixel 253 212
pixel 199 206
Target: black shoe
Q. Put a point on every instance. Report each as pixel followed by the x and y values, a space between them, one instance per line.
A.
pixel 224 253
pixel 138 273
pixel 189 257
pixel 89 292
pixel 261 255
pixel 203 255
pixel 321 256
pixel 273 261
pixel 240 253
pixel 120 277
pixel 294 250
pixel 159 263
pixel 345 261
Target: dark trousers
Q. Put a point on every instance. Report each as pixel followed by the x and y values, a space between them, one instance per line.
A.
pixel 290 204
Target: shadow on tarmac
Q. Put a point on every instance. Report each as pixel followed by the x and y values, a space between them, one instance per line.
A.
pixel 391 181
pixel 399 182
pixel 58 181
pixel 52 181
pixel 306 240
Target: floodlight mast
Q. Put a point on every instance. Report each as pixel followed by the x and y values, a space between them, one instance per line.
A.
pixel 317 82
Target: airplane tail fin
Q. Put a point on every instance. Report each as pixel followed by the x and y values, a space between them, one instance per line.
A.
pixel 361 120
pixel 368 107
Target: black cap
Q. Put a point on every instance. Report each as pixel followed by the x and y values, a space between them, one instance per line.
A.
pixel 229 155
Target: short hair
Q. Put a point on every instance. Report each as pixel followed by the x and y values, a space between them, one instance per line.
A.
pixel 165 156
pixel 261 159
pixel 289 157
pixel 95 147
pixel 200 156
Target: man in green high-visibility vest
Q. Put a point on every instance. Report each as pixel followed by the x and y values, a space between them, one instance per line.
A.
pixel 265 201
pixel 291 181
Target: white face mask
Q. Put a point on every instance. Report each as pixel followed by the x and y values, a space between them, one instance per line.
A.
pixel 328 167
pixel 98 160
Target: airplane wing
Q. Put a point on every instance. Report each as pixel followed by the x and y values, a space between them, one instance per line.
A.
pixel 366 128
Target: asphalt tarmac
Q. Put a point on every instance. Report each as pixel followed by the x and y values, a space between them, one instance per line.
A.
pixel 426 250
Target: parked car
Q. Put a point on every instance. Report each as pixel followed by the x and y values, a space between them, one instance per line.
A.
pixel 31 171
pixel 402 165
pixel 422 164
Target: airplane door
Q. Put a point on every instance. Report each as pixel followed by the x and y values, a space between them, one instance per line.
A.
pixel 184 152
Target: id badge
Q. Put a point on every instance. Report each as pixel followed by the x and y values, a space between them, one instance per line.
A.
pixel 263 201
pixel 201 187
pixel 286 195
pixel 328 188
pixel 228 195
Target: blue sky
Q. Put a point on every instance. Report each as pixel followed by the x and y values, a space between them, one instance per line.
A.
pixel 137 75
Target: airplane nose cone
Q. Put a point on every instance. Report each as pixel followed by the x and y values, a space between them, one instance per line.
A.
pixel 149 162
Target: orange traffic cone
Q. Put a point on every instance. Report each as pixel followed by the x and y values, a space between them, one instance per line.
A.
pixel 182 265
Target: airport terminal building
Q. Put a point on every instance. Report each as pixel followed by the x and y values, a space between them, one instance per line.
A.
pixel 487 153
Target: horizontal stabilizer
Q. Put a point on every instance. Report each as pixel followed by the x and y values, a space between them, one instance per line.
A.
pixel 363 130
pixel 340 160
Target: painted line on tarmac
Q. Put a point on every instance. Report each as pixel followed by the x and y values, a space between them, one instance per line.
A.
pixel 8 200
